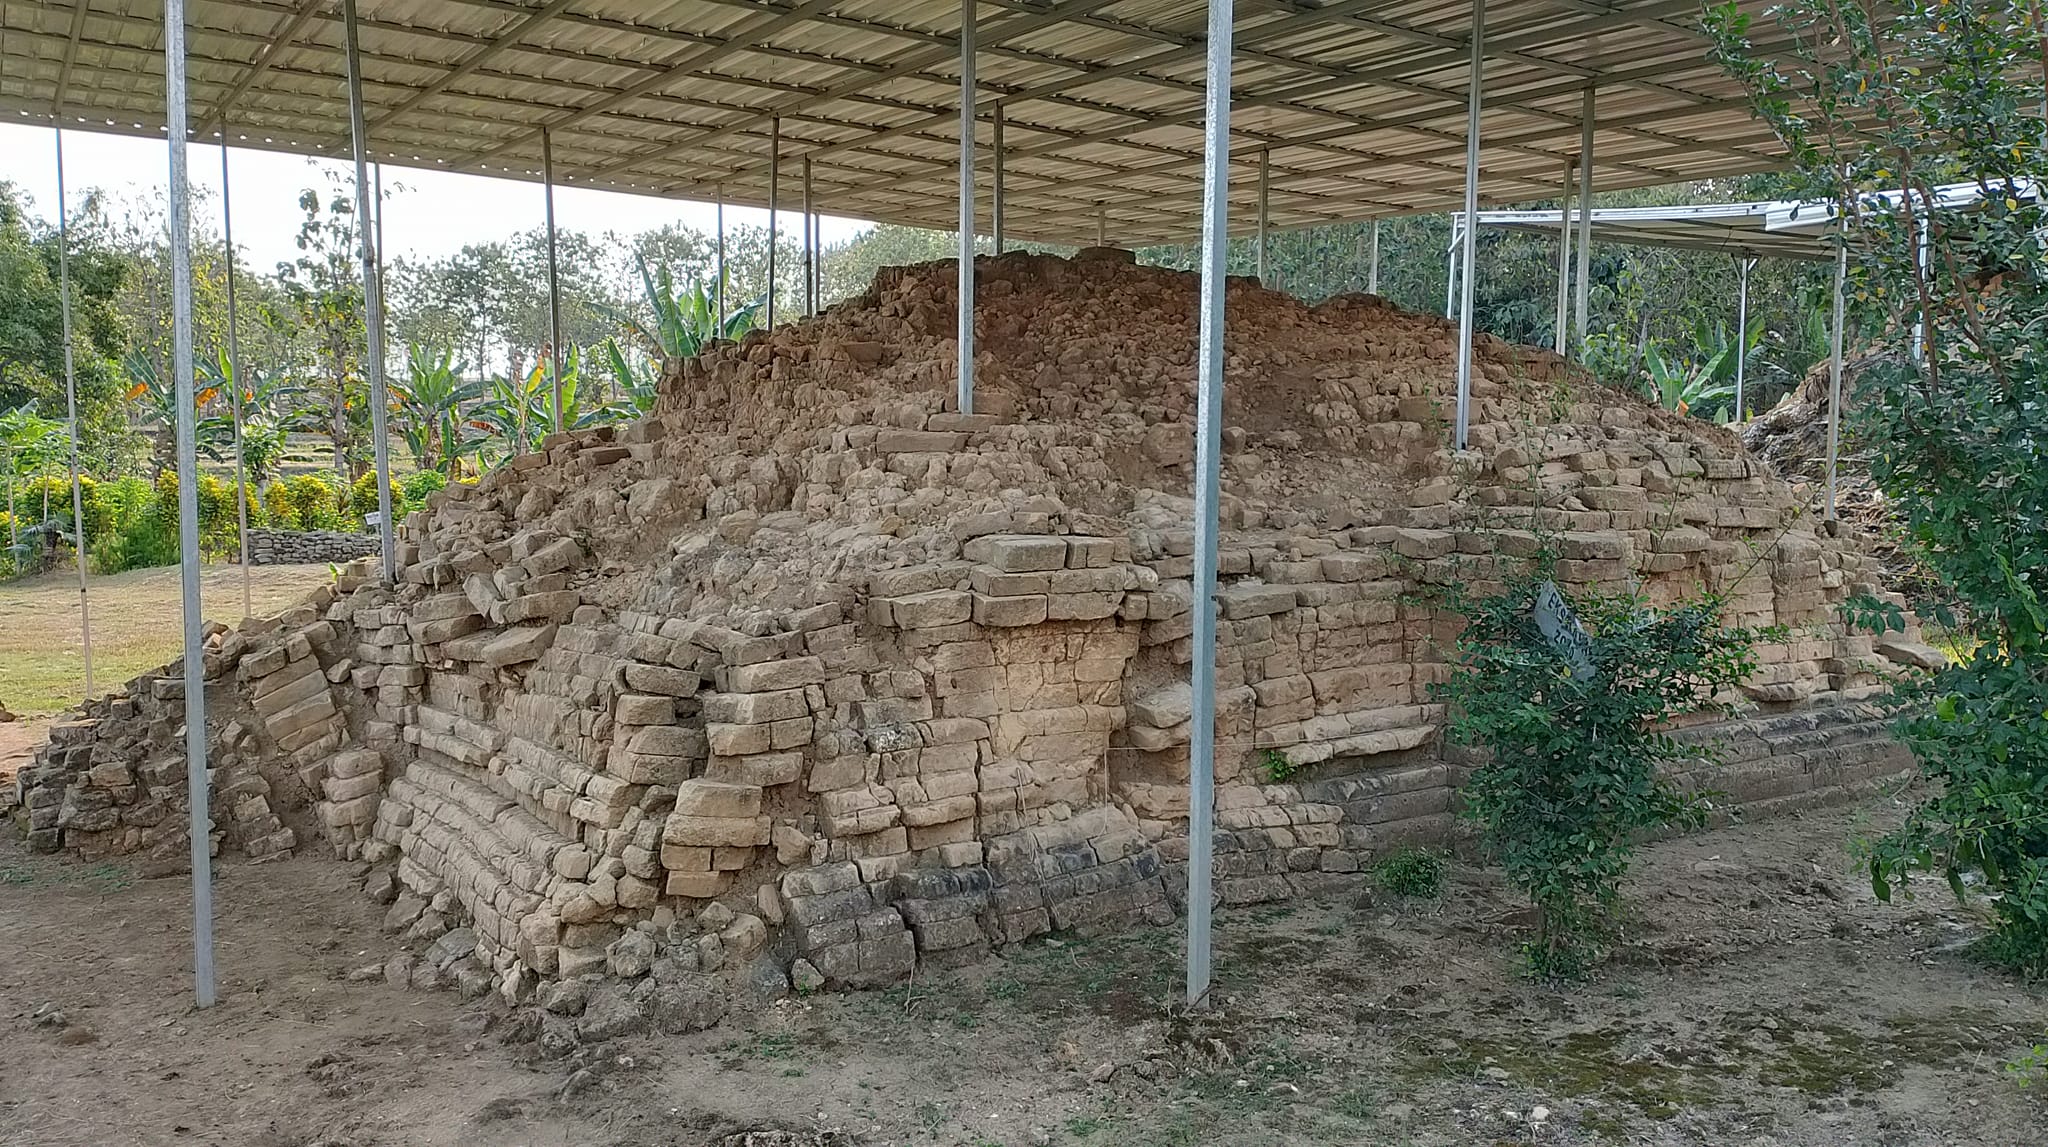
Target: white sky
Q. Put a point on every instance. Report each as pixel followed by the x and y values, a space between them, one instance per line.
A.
pixel 433 213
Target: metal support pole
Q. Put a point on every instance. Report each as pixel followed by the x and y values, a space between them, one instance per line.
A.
pixel 547 182
pixel 810 266
pixel 1564 262
pixel 377 199
pixel 197 789
pixel 1451 266
pixel 1477 89
pixel 1744 264
pixel 235 380
pixel 995 212
pixel 71 410
pixel 774 190
pixel 1584 286
pixel 1102 226
pixel 719 269
pixel 965 337
pixel 1835 373
pixel 1265 210
pixel 373 295
pixel 1920 338
pixel 1372 266
pixel 1208 496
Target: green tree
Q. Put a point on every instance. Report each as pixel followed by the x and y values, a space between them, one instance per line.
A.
pixel 1879 107
pixel 32 321
pixel 324 289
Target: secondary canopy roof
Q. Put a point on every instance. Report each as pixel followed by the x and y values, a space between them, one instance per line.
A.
pixel 1781 228
pixel 1360 102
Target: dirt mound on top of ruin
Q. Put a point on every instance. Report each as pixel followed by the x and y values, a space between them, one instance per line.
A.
pixel 792 456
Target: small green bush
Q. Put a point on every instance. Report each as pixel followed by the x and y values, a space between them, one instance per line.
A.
pixel 141 542
pixel 1412 872
pixel 304 502
pixel 362 499
pixel 1574 729
pixel 418 485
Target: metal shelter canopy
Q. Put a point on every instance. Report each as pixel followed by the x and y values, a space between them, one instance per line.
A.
pixel 1775 228
pixel 1361 104
pixel 1749 230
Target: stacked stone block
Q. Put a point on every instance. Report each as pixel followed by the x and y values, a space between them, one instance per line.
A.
pixel 303 547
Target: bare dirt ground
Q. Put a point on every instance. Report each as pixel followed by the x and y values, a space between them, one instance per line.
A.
pixel 136 625
pixel 1764 999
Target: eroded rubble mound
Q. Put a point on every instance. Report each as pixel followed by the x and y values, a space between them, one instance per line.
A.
pixel 1792 439
pixel 809 675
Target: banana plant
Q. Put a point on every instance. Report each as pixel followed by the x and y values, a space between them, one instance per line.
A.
pixel 156 401
pixel 638 386
pixel 685 321
pixel 270 412
pixel 521 412
pixel 1680 387
pixel 428 405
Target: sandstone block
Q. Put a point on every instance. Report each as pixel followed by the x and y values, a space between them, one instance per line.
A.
pixel 1243 601
pixel 715 831
pixel 1009 612
pixel 770 676
pixel 644 709
pixel 517 646
pixel 757 769
pixel 661 679
pixel 756 708
pixel 930 610
pixel 1018 553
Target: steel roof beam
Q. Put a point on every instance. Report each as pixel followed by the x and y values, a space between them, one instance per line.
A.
pixel 78 10
pixel 994 29
pixel 511 36
pixel 287 31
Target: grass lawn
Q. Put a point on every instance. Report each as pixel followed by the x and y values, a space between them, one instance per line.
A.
pixel 137 625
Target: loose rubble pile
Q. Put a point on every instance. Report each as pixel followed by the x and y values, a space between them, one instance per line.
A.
pixel 808 676
pixel 300 547
pixel 1792 439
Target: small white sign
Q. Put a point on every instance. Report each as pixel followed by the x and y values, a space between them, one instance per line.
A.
pixel 1561 627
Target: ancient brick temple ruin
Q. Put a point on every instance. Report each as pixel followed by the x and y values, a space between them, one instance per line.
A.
pixel 805 670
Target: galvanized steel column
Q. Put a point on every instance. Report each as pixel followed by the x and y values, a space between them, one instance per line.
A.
pixel 547 182
pixel 1564 262
pixel 774 189
pixel 1743 266
pixel 810 284
pixel 965 321
pixel 1265 209
pixel 373 295
pixel 1372 267
pixel 1835 372
pixel 71 410
pixel 719 270
pixel 1208 496
pixel 199 826
pixel 1473 98
pixel 1583 288
pixel 235 384
pixel 995 214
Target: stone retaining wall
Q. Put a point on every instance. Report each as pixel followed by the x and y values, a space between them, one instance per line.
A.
pixel 306 547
